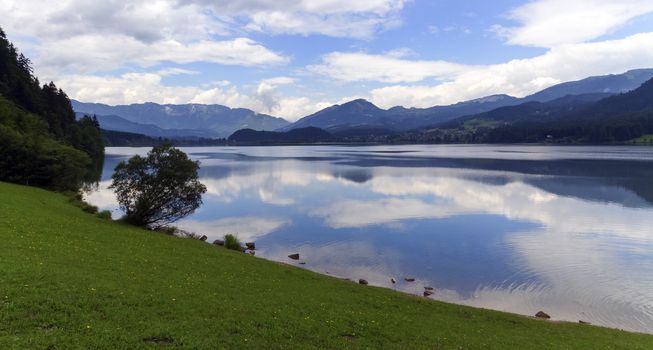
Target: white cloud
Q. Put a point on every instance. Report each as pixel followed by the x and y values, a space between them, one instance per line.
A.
pixel 517 77
pixel 176 71
pixel 549 23
pixel 385 68
pixel 87 36
pixel 337 25
pixel 94 52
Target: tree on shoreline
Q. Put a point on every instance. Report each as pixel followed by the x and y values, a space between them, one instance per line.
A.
pixel 158 189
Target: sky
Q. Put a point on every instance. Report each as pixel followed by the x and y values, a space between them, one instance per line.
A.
pixel 291 58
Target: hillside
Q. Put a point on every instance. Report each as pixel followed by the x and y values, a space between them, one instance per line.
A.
pixel 615 119
pixel 362 115
pixel 180 120
pixel 125 139
pixel 128 288
pixel 41 141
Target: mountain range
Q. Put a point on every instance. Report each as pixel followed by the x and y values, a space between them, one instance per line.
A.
pixel 170 120
pixel 360 118
pixel 363 115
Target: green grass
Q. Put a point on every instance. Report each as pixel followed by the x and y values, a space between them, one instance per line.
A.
pixel 71 280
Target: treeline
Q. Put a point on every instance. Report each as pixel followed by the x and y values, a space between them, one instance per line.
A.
pixel 41 142
pixel 127 139
pixel 615 119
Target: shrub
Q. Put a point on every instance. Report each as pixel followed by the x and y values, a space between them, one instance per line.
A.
pixel 91 209
pixel 232 242
pixel 105 214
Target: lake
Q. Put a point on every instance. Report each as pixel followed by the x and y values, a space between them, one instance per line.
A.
pixel 566 230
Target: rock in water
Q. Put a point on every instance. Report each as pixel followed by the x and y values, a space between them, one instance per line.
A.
pixel 542 315
pixel 409 279
pixel 393 280
pixel 362 281
pixel 428 288
pixel 294 256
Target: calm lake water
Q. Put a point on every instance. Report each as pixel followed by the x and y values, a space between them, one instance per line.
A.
pixel 566 230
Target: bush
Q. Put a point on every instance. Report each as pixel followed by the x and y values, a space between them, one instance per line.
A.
pixel 91 209
pixel 232 242
pixel 105 214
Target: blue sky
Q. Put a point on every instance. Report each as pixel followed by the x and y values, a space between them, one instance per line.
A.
pixel 292 58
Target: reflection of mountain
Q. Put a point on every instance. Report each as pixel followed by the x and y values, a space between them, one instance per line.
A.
pixel 627 182
pixel 635 176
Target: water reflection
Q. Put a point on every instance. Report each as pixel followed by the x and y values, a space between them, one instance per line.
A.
pixel 568 230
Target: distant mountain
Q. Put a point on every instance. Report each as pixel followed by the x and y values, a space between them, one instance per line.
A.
pixel 301 135
pixel 529 111
pixel 116 123
pixel 207 120
pixel 362 115
pixel 588 118
pixel 612 84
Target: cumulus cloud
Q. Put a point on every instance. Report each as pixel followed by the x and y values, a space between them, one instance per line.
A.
pixel 389 68
pixel 550 23
pixel 460 82
pixel 89 53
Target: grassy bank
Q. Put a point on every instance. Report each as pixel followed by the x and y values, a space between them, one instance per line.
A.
pixel 71 280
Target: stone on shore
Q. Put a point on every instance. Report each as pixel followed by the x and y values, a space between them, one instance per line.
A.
pixel 542 315
pixel 218 242
pixel 294 256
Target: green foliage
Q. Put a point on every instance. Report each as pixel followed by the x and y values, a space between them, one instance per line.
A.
pixel 232 242
pixel 41 144
pixel 72 281
pixel 104 214
pixel 159 189
pixel 28 155
pixel 77 200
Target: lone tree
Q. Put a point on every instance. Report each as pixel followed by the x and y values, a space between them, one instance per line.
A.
pixel 159 189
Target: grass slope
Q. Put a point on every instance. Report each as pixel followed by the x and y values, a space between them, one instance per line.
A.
pixel 70 280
